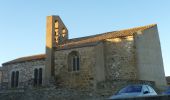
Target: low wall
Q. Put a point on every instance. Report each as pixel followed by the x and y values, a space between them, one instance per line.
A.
pixel 63 94
pixel 103 91
pixel 48 94
pixel 57 96
pixel 110 87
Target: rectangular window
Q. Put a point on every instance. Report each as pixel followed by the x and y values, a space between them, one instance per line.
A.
pixel 35 76
pixel 12 79
pixel 74 64
pixel 78 63
pixel 17 79
pixel 40 76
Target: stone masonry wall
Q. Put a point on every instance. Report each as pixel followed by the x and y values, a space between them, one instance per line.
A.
pixel 120 58
pixel 0 76
pixel 63 94
pixel 26 72
pixel 82 79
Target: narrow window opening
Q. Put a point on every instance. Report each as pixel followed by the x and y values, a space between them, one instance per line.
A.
pixel 17 79
pixel 56 24
pixel 35 76
pixel 40 76
pixel 73 61
pixel 74 64
pixel 78 63
pixel 12 79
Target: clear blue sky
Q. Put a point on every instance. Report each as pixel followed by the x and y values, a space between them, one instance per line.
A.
pixel 23 22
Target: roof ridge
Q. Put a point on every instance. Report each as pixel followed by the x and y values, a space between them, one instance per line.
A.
pixel 91 36
pixel 146 26
pixel 26 58
pixel 31 56
pixel 88 39
pixel 113 34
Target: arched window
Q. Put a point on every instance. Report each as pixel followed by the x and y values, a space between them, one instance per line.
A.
pixel 63 32
pixel 40 76
pixel 37 76
pixel 73 61
pixel 17 79
pixel 14 79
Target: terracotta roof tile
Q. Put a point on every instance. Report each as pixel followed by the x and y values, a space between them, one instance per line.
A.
pixel 28 58
pixel 103 36
pixel 86 41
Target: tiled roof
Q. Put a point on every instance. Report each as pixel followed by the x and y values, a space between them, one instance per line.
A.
pixel 78 46
pixel 86 41
pixel 28 58
pixel 103 36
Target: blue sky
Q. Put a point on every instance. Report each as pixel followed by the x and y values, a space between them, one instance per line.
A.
pixel 23 22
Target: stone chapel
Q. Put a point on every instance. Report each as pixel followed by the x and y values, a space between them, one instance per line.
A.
pixel 87 63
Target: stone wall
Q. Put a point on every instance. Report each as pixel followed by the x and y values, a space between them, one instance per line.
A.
pixel 26 72
pixel 0 76
pixel 104 91
pixel 57 95
pixel 109 60
pixel 82 79
pixel 50 94
pixel 120 58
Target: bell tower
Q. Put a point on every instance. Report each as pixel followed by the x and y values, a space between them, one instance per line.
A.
pixel 56 34
pixel 61 32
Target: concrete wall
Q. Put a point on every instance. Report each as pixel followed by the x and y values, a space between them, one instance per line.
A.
pixel 120 58
pixel 50 43
pixel 26 72
pixel 149 57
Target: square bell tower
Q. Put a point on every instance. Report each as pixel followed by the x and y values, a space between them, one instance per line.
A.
pixel 56 34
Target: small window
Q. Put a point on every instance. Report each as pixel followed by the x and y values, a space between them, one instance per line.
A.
pixel 145 89
pixel 37 77
pixel 40 76
pixel 63 32
pixel 74 61
pixel 150 89
pixel 78 63
pixel 56 32
pixel 17 79
pixel 14 79
pixel 131 89
pixel 56 24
